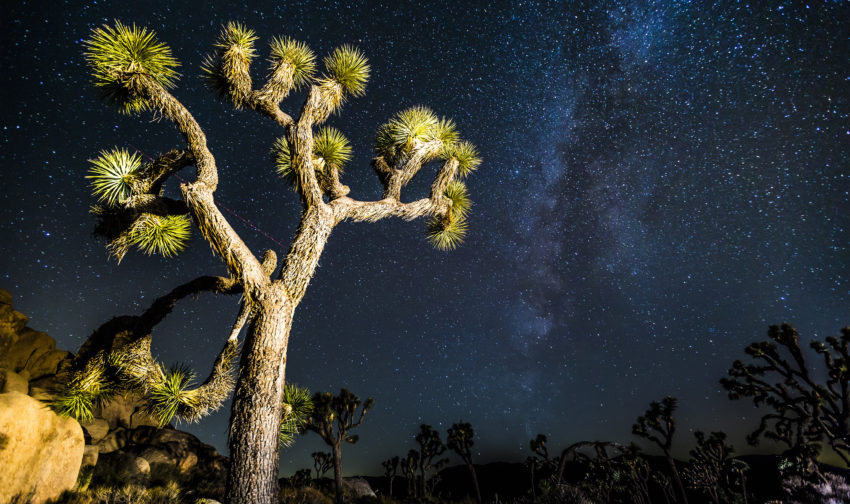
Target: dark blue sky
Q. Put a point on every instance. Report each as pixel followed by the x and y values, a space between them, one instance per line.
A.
pixel 661 181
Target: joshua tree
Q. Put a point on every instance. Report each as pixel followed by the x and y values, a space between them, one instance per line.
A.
pixel 657 425
pixel 333 419
pixel 322 462
pixel 460 440
pixel 409 464
pixel 430 447
pixel 805 410
pixel 711 469
pixel 136 73
pixel 390 472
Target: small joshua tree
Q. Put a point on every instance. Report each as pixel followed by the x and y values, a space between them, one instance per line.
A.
pixel 659 426
pixel 430 447
pixel 460 440
pixel 333 419
pixel 408 466
pixel 712 468
pixel 805 410
pixel 322 462
pixel 390 472
pixel 136 74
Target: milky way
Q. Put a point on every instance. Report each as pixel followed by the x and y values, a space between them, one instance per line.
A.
pixel 661 181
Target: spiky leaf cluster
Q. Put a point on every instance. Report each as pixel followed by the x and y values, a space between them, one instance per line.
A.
pixel 329 145
pixel 165 235
pixel 412 128
pixel 297 55
pixel 297 408
pixel 466 155
pixel 237 37
pixel 115 54
pixel 332 147
pixel 85 391
pixel 348 67
pixel 112 174
pixel 448 232
pixel 171 395
pixel 229 65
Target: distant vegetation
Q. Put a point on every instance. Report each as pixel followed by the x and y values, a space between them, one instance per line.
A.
pixel 803 415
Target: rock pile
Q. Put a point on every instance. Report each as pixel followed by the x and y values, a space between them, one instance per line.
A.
pixel 122 443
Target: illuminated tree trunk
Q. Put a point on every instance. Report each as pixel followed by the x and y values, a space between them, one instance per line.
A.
pixel 337 453
pixel 255 416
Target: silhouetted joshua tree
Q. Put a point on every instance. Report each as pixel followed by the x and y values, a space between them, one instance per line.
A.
pixel 430 447
pixel 135 73
pixel 657 425
pixel 712 470
pixel 333 419
pixel 805 410
pixel 390 472
pixel 409 465
pixel 322 462
pixel 460 440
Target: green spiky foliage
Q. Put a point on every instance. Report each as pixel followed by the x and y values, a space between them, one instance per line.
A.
pixel 466 155
pixel 329 144
pixel 348 67
pixel 116 53
pixel 238 37
pixel 457 192
pixel 85 391
pixel 282 157
pixel 332 146
pixel 446 234
pixel 112 173
pixel 169 396
pixel 297 408
pixel 165 235
pixel 231 61
pixel 414 127
pixel 298 55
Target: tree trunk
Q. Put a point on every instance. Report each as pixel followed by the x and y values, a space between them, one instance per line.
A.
pixel 255 414
pixel 681 496
pixel 337 451
pixel 475 483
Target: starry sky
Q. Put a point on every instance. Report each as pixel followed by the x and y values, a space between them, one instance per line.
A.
pixel 661 181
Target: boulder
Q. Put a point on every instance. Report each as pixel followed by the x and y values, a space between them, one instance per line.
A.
pixel 40 452
pixel 11 323
pixel 30 346
pixel 90 455
pixel 357 488
pixel 11 381
pixel 184 454
pixel 47 364
pixel 119 468
pixel 114 440
pixel 95 430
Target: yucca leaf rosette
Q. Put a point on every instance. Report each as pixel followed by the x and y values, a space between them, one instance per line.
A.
pixel 116 53
pixel 297 408
pixel 416 127
pixel 295 54
pixel 447 233
pixel 346 73
pixel 332 147
pixel 165 235
pixel 169 396
pixel 466 155
pixel 227 70
pixel 112 173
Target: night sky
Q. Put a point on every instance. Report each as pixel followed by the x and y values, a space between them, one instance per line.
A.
pixel 661 181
